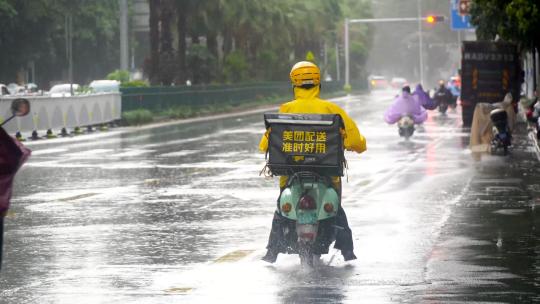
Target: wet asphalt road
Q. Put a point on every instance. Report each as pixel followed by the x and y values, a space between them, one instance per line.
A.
pixel 179 214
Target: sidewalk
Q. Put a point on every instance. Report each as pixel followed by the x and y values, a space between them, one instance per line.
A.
pixel 531 130
pixel 533 136
pixel 488 248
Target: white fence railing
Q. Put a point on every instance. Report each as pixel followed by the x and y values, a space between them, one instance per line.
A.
pixel 56 113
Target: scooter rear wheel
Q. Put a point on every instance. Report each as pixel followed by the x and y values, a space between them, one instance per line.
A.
pixel 305 253
pixel 443 109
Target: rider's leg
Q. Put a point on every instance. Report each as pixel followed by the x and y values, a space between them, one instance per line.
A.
pixel 344 240
pixel 276 238
pixel 1 236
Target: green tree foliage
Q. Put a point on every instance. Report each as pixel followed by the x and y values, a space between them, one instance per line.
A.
pixel 253 40
pixel 512 20
pixel 235 67
pixel 6 9
pixel 120 75
pixel 201 63
pixel 34 31
pixel 201 40
pixel 360 39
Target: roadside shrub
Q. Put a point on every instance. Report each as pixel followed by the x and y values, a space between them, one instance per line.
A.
pixel 180 112
pixel 135 84
pixel 120 75
pixel 137 117
pixel 84 90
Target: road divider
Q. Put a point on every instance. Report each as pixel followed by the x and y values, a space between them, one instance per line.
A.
pixel 234 256
pixel 62 113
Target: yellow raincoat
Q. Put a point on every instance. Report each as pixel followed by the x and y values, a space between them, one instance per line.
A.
pixel 308 102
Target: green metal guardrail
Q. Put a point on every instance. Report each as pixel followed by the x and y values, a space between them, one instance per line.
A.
pixel 163 98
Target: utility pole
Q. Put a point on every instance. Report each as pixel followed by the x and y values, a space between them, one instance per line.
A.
pixel 338 72
pixel 419 19
pixel 69 49
pixel 124 55
pixel 347 71
pixel 420 44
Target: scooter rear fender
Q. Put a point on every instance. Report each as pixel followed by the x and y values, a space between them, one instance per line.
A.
pixel 321 193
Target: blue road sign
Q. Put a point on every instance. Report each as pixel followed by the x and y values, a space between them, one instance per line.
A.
pixel 459 22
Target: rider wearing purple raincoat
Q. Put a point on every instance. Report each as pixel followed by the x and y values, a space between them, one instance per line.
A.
pixel 423 98
pixel 12 156
pixel 405 105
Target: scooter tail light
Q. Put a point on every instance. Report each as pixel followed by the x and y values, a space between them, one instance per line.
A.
pixel 328 207
pixel 309 236
pixel 307 203
pixel 287 207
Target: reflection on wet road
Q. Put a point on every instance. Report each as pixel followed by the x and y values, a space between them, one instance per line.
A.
pixel 179 214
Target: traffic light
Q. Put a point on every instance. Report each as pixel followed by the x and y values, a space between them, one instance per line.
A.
pixel 434 19
pixel 464 7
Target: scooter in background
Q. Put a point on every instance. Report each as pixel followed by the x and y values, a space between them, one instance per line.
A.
pixel 502 137
pixel 441 99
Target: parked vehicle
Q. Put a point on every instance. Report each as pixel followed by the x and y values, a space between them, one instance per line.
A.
pixel 15 89
pixel 63 90
pixel 489 70
pixel 3 90
pixel 30 88
pixel 105 86
pixel 398 82
pixel 377 82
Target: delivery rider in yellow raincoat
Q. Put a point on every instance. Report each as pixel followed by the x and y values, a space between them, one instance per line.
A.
pixel 306 80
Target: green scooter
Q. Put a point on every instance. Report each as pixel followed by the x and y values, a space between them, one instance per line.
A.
pixel 308 149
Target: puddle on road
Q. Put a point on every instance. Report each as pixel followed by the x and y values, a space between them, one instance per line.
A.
pixel 510 211
pixel 180 153
pixel 130 153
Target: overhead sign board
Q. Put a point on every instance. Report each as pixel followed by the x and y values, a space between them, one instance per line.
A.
pixel 459 13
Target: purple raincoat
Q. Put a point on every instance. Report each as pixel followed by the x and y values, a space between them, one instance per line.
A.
pixel 403 105
pixel 423 98
pixel 12 156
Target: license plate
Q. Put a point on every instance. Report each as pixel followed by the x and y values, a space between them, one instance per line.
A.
pixel 307 232
pixel 307 218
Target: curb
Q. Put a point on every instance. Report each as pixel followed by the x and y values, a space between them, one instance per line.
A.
pixel 533 136
pixel 531 131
